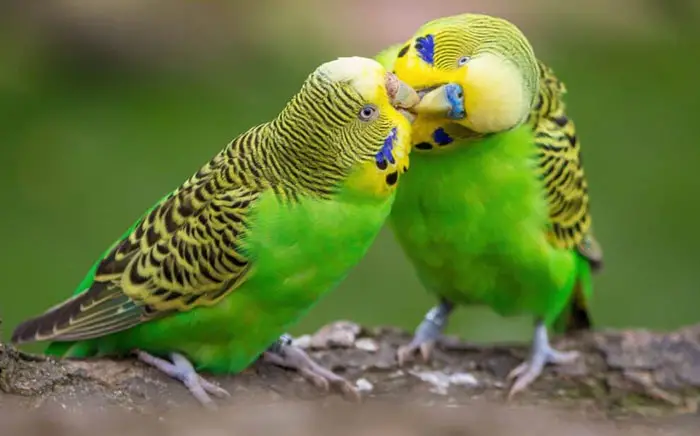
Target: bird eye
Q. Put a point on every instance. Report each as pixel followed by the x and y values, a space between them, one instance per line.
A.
pixel 368 112
pixel 463 61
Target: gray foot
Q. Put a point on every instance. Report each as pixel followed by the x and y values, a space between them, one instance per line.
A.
pixel 288 356
pixel 427 333
pixel 181 369
pixel 284 340
pixel 541 354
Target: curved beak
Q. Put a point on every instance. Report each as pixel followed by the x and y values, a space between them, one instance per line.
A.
pixel 401 96
pixel 445 101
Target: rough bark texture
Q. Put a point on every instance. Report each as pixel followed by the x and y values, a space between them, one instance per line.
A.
pixel 632 377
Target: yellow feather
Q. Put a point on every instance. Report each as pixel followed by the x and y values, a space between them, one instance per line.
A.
pixel 504 85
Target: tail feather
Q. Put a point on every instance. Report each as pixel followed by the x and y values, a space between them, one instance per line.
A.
pixel 97 312
pixel 43 327
pixel 576 316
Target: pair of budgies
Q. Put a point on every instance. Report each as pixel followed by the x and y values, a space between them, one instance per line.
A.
pixel 494 212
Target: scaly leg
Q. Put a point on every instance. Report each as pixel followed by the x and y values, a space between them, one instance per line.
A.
pixel 283 353
pixel 284 340
pixel 427 333
pixel 181 369
pixel 541 354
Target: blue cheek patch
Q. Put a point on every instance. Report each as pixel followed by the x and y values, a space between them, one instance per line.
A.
pixel 456 98
pixel 385 154
pixel 441 137
pixel 425 47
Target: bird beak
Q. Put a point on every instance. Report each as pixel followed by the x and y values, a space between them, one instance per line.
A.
pixel 401 96
pixel 405 97
pixel 445 101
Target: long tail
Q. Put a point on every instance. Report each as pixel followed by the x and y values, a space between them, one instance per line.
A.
pixel 576 317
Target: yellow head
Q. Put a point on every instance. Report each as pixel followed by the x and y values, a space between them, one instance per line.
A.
pixel 355 130
pixel 487 66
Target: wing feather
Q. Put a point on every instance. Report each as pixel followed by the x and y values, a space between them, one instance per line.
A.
pixel 561 168
pixel 185 252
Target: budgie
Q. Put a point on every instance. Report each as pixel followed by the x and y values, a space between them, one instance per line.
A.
pixel 495 210
pixel 211 277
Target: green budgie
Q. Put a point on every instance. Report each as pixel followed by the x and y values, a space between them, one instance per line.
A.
pixel 495 210
pixel 214 274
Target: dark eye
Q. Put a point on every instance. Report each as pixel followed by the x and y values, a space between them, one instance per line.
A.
pixel 463 61
pixel 368 112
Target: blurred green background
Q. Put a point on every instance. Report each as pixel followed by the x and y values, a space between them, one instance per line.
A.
pixel 108 105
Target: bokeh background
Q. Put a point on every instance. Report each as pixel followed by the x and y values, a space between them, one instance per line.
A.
pixel 107 105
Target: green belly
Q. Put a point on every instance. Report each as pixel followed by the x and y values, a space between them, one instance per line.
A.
pixel 472 220
pixel 299 253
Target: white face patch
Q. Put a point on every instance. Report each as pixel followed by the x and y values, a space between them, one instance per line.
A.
pixel 496 97
pixel 361 73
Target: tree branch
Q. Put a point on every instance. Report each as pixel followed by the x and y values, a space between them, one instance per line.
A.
pixel 621 373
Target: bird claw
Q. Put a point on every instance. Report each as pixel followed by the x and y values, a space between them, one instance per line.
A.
pixel 427 334
pixel 528 371
pixel 405 353
pixel 213 389
pixel 289 356
pixel 182 370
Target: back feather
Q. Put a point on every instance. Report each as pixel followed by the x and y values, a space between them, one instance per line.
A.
pixel 561 169
pixel 183 253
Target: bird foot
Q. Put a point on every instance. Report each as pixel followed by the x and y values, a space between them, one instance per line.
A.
pixel 182 370
pixel 427 334
pixel 292 357
pixel 405 353
pixel 542 353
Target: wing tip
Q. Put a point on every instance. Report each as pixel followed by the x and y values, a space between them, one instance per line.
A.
pixel 579 320
pixel 597 265
pixel 27 331
pixel 43 327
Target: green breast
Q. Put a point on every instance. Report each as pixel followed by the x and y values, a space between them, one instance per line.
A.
pixel 303 250
pixel 472 221
pixel 300 252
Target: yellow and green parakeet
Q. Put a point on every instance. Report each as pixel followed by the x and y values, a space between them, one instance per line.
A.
pixel 495 210
pixel 213 274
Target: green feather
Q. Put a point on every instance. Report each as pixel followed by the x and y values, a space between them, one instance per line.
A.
pixel 220 268
pixel 472 219
pixel 293 272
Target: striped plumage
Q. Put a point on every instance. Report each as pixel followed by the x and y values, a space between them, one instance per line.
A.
pixel 221 266
pixel 496 208
pixel 561 168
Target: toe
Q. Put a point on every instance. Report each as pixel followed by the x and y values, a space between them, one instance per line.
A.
pixel 348 390
pixel 563 357
pixel 213 389
pixel 426 350
pixel 404 354
pixel 523 381
pixel 317 380
pixel 199 393
pixel 517 371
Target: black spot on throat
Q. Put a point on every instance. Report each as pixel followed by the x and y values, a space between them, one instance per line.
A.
pixel 392 178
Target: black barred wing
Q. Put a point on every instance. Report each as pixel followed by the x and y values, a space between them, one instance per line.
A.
pixel 561 169
pixel 185 252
